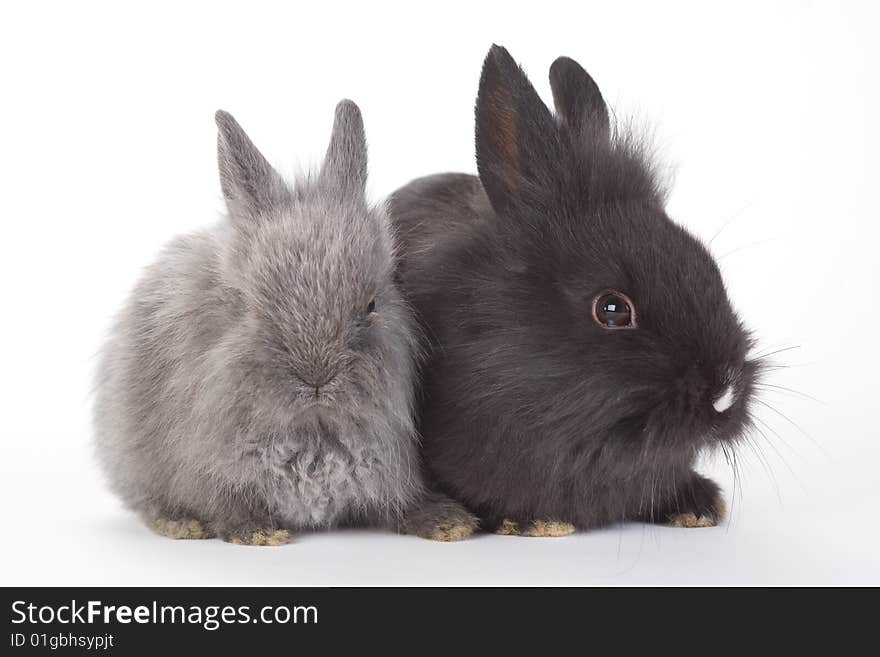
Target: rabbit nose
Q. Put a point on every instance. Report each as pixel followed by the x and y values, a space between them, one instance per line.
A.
pixel 320 382
pixel 725 399
pixel 319 372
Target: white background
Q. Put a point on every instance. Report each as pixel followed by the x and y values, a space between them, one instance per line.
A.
pixel 766 113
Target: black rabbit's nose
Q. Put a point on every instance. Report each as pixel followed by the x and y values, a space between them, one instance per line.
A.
pixel 724 399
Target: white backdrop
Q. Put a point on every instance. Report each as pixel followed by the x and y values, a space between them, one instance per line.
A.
pixel 766 114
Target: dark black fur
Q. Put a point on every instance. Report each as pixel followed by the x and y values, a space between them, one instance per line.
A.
pixel 531 410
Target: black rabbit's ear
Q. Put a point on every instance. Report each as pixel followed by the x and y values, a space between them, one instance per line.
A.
pixel 345 165
pixel 517 140
pixel 250 184
pixel 579 103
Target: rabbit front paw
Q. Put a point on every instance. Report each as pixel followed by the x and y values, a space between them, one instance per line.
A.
pixel 702 505
pixel 260 537
pixel 439 518
pixel 709 517
pixel 535 528
pixel 184 529
pixel 687 520
pixel 452 532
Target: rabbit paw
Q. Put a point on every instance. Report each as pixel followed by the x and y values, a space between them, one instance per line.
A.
pixel 262 537
pixel 536 528
pixel 181 529
pixel 456 532
pixel 439 518
pixel 707 518
pixel 691 520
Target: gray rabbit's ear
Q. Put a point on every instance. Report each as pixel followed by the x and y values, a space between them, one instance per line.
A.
pixel 518 152
pixel 250 184
pixel 345 165
pixel 579 103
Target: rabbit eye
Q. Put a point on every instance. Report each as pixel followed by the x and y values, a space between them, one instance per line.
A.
pixel 614 310
pixel 371 307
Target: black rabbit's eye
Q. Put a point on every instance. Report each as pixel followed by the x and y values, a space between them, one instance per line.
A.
pixel 371 307
pixel 614 310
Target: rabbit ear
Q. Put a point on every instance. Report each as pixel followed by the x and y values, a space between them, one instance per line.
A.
pixel 249 182
pixel 579 103
pixel 516 138
pixel 345 165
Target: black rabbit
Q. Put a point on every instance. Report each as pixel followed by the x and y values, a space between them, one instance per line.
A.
pixel 583 347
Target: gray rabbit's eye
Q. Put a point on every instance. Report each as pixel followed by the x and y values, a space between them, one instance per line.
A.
pixel 614 310
pixel 371 307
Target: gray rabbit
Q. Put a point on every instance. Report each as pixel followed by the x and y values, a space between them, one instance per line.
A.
pixel 261 377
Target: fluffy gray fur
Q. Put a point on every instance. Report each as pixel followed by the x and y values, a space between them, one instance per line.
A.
pixel 261 375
